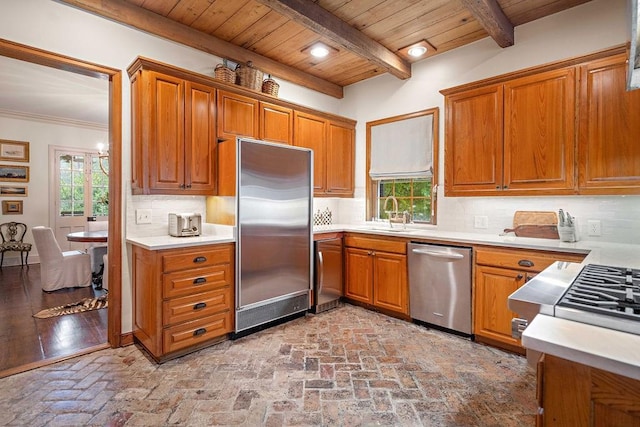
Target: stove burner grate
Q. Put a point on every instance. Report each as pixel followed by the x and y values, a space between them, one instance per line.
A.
pixel 610 291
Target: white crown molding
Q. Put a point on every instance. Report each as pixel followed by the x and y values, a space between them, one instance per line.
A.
pixel 53 119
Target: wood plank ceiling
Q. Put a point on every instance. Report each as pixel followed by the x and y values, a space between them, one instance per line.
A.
pixel 367 37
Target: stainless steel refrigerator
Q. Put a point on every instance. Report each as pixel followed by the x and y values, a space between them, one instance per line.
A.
pixel 274 219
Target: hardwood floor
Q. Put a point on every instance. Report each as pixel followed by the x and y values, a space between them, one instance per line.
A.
pixel 25 340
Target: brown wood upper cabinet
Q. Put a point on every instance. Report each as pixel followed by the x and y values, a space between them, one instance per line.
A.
pixel 276 123
pixel 185 127
pixel 609 129
pixel 237 116
pixel 174 146
pixel 518 134
pixel 333 151
pixel 515 137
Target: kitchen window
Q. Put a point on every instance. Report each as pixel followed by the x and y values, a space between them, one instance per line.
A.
pixel 413 196
pixel 402 164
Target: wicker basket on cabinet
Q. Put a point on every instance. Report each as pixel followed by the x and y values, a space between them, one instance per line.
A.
pixel 270 86
pixel 249 77
pixel 224 73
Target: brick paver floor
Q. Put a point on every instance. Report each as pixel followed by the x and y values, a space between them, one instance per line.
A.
pixel 345 367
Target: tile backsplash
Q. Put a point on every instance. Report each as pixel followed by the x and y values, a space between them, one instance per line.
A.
pixel 619 216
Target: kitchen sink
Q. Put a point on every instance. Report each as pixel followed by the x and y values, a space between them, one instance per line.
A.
pixel 392 230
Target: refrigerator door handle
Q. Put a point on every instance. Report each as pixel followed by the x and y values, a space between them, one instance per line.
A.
pixel 437 254
pixel 321 271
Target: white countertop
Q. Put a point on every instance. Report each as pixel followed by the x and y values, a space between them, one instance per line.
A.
pixel 601 348
pixel 618 254
pixel 211 233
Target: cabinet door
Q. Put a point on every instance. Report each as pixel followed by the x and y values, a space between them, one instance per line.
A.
pixel 359 275
pixel 276 123
pixel 311 132
pixel 237 116
pixel 492 315
pixel 200 136
pixel 390 282
pixel 539 132
pixel 609 130
pixel 565 393
pixel 340 160
pixel 473 142
pixel 166 148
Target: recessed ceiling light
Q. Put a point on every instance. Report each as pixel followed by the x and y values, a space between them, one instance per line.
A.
pixel 319 50
pixel 417 51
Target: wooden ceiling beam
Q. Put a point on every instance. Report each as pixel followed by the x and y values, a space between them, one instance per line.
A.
pixel 145 20
pixel 493 20
pixel 322 22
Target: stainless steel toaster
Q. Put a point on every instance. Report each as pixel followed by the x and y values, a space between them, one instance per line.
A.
pixel 185 224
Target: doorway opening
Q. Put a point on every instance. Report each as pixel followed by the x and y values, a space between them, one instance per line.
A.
pixel 114 77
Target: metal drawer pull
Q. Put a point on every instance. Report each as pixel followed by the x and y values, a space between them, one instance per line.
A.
pixel 199 259
pixel 199 305
pixel 437 254
pixel 199 280
pixel 200 331
pixel 525 263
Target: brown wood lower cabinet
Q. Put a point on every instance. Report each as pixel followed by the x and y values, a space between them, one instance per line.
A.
pixel 499 273
pixel 376 272
pixel 183 298
pixel 572 394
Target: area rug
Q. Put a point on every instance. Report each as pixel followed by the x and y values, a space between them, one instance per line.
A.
pixel 85 304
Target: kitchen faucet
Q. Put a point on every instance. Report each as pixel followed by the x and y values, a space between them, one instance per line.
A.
pixel 393 215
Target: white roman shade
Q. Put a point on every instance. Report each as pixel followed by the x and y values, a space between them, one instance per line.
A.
pixel 402 149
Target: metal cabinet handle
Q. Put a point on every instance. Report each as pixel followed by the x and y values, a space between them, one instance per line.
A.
pixel 199 306
pixel 200 331
pixel 321 271
pixel 199 280
pixel 199 259
pixel 437 254
pixel 519 276
pixel 525 263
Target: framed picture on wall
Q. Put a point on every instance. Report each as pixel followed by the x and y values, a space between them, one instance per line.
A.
pixel 14 151
pixel 13 190
pixel 14 173
pixel 12 207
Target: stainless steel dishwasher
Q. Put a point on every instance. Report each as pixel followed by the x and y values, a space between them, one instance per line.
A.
pixel 440 286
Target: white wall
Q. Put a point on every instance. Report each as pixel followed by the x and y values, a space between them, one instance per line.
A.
pixel 594 26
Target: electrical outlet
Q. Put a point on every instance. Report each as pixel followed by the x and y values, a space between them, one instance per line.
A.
pixel 594 228
pixel 481 221
pixel 143 216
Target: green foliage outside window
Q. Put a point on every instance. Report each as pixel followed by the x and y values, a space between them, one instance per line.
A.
pixel 72 187
pixel 413 195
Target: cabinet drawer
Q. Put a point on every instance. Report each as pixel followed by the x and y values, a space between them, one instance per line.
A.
pixel 196 257
pixel 523 260
pixel 197 280
pixel 192 307
pixel 193 333
pixel 364 242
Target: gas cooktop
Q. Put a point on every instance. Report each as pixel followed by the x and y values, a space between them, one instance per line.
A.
pixel 603 296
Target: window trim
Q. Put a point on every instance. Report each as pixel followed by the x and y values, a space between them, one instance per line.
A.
pixel 370 184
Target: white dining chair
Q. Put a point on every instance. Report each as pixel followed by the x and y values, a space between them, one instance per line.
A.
pixel 60 269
